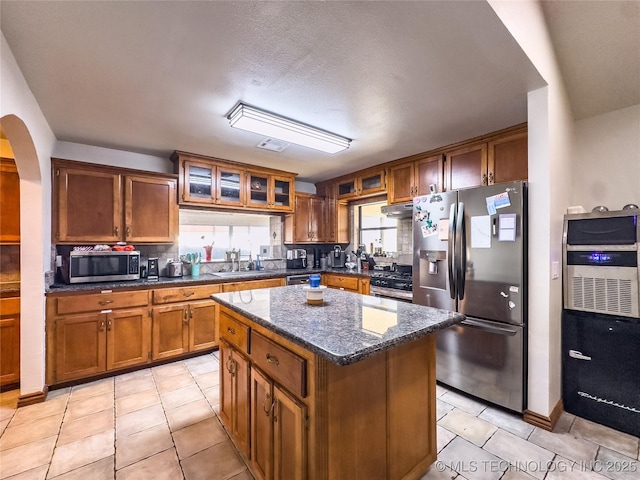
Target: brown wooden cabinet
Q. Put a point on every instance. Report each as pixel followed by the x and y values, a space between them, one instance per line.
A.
pixel 365 183
pixel 270 192
pixel 411 179
pixel 99 204
pixel 278 433
pixel 181 326
pixel 252 284
pixel 234 395
pixel 9 340
pixel 306 224
pixel 9 202
pixel 502 159
pixel 336 215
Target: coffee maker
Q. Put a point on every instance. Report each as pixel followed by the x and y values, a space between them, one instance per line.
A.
pixel 338 257
pixel 297 258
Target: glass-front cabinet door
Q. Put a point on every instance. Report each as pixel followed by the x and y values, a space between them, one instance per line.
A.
pixel 348 188
pixel 282 193
pixel 270 191
pixel 230 189
pixel 199 183
pixel 258 190
pixel 372 183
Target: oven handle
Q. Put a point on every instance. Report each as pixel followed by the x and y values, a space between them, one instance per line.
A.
pixel 488 328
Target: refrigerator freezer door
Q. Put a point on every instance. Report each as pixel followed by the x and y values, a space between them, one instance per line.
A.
pixel 431 239
pixel 485 359
pixel 494 244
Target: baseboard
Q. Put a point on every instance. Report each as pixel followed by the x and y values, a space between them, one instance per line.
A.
pixel 33 398
pixel 546 423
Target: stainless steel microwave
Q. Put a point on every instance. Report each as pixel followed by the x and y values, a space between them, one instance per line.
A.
pixel 101 266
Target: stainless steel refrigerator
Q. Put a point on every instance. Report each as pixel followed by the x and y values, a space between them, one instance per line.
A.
pixel 470 256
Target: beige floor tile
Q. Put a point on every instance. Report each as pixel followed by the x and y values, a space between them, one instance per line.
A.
pixel 100 470
pixel 3 425
pixel 173 383
pixel 202 368
pixel 441 390
pixel 607 437
pixel 137 375
pixel 468 427
pixel 442 408
pixel 565 444
pixel 208 380
pixel 99 387
pixel 38 473
pixel 27 457
pixel 89 405
pixel 565 469
pixel 517 473
pixel 198 437
pixel 141 445
pixel 86 426
pixel 518 451
pixel 437 472
pixel 218 462
pixel 188 414
pixel 616 466
pixel 162 466
pixel 10 397
pixel 39 410
pixel 59 392
pixel 140 420
pixel 443 437
pixel 563 425
pixel 193 361
pixel 31 431
pixel 212 395
pixel 471 461
pixel 468 404
pixel 6 413
pixel 245 475
pixel 180 396
pixel 133 386
pixel 507 421
pixel 169 370
pixel 82 452
pixel 137 401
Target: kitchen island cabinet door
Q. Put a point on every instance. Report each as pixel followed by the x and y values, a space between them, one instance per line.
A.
pixel 128 338
pixel 203 331
pixel 87 207
pixel 289 437
pixel 80 346
pixel 234 395
pixel 262 406
pixel 170 331
pixel 151 210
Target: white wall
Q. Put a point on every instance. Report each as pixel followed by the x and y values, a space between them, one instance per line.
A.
pixel 32 142
pixel 606 160
pixel 550 138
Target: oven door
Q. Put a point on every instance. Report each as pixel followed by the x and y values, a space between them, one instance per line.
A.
pixel 393 293
pixel 484 359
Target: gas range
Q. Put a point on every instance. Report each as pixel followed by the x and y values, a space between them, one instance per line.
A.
pixel 398 285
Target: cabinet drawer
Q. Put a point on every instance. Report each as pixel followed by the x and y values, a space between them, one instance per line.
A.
pixel 253 284
pixel 234 332
pixel 284 366
pixel 9 306
pixel 348 283
pixel 101 301
pixel 170 295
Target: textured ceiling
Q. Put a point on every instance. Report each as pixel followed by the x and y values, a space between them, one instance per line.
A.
pixel 397 77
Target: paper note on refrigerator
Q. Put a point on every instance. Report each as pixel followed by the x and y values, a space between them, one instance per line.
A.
pixel 481 231
pixel 507 231
pixel 443 230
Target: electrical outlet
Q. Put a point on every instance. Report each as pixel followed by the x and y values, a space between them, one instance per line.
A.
pixel 555 270
pixel 58 260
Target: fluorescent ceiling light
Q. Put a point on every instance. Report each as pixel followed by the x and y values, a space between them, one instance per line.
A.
pixel 270 125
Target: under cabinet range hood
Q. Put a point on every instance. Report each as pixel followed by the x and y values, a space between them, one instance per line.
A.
pixel 398 210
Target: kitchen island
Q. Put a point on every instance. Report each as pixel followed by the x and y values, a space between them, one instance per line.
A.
pixel 345 389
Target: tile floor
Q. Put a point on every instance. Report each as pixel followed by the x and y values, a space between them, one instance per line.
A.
pixel 161 423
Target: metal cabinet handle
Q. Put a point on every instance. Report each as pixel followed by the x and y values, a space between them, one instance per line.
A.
pixel 186 317
pixel 231 331
pixel 102 326
pixel 265 408
pixel 491 178
pixel 105 302
pixel 128 233
pixel 116 231
pixel 484 179
pixel 109 324
pixel 578 355
pixel 273 359
pixel 188 294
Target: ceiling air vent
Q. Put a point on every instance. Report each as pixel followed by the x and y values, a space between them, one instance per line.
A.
pixel 273 145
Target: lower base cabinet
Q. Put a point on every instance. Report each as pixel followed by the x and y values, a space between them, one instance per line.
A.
pixel 9 340
pixel 234 395
pixel 92 343
pixel 278 431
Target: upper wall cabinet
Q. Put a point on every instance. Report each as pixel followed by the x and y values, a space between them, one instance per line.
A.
pixel 100 204
pixel 369 182
pixel 9 202
pixel 307 224
pixel 498 160
pixel 411 179
pixel 208 181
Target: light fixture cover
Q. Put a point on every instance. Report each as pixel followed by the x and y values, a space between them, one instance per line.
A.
pixel 270 125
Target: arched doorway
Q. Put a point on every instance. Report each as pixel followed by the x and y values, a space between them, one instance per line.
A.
pixel 34 248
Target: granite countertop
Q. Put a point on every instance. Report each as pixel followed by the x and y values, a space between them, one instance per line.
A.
pixel 346 328
pixel 202 279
